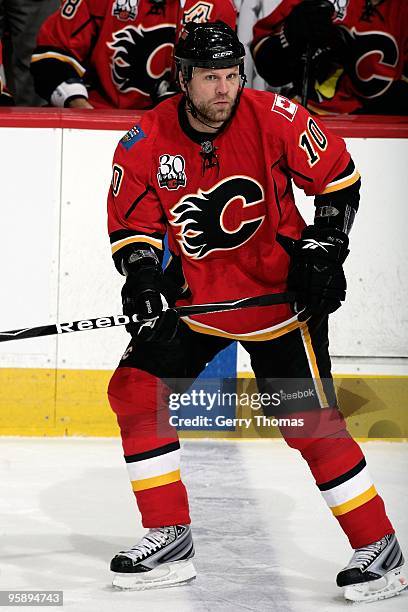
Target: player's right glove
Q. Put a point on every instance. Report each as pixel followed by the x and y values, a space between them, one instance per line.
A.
pixel 141 295
pixel 316 271
pixel 310 23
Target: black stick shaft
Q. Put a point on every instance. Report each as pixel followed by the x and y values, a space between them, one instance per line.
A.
pixel 306 76
pixel 260 300
pixel 118 320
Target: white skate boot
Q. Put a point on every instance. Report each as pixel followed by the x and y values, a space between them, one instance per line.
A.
pixel 374 572
pixel 161 559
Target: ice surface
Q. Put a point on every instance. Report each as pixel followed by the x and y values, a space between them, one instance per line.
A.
pixel 265 541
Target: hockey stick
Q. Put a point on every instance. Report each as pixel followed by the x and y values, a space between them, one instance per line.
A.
pixel 306 76
pixel 117 320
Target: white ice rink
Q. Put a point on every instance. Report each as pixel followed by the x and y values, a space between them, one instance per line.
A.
pixel 265 541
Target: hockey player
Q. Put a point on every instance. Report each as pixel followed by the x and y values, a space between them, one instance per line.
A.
pixel 20 21
pixel 213 168
pixel 358 54
pixel 5 96
pixel 115 53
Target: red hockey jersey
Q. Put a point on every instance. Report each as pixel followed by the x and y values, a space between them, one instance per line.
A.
pixel 5 96
pixel 222 221
pixel 377 45
pixel 122 48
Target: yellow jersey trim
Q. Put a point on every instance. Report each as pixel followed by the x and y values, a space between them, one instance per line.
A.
pixel 62 58
pixel 116 246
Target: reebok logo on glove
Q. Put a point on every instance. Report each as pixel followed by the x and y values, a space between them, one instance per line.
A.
pixel 311 243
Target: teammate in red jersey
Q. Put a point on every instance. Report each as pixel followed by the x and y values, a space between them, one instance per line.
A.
pixel 5 96
pixel 358 53
pixel 115 53
pixel 213 168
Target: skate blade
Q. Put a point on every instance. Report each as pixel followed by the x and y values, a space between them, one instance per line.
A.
pixel 171 574
pixel 388 586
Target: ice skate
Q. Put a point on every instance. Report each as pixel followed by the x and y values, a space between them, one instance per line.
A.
pixel 374 572
pixel 161 559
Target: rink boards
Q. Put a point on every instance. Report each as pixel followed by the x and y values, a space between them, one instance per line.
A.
pixel 56 266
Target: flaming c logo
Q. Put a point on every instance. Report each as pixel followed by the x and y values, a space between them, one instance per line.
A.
pixel 141 56
pixel 373 57
pixel 223 218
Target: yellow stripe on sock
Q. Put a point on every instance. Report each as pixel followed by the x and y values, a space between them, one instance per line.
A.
pixel 354 503
pixel 156 481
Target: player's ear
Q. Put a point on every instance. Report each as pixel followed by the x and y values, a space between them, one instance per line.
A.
pixel 181 81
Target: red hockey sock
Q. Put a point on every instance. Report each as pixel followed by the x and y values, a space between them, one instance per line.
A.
pixel 151 447
pixel 339 468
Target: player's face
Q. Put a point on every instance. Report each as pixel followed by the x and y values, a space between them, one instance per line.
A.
pixel 213 92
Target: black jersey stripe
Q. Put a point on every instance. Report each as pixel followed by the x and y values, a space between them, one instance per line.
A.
pixel 155 452
pixel 82 26
pixel 275 187
pixel 348 171
pixel 136 202
pixel 344 477
pixel 277 197
pixel 303 176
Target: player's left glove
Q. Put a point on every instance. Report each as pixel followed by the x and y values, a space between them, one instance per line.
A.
pixel 156 321
pixel 142 296
pixel 316 271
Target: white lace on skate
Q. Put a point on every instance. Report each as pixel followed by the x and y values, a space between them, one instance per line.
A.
pixel 151 542
pixel 163 574
pixel 364 556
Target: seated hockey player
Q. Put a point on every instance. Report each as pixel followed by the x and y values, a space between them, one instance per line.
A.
pixel 115 53
pixel 213 168
pixel 357 54
pixel 20 21
pixel 6 98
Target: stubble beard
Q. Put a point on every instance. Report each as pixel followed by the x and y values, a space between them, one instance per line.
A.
pixel 210 114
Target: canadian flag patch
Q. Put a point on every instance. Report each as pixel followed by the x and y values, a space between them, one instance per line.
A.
pixel 284 107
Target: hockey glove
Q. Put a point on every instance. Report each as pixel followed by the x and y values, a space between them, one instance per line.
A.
pixel 310 23
pixel 316 271
pixel 141 296
pixel 164 88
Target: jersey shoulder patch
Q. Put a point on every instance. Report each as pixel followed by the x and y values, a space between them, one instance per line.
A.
pixel 285 107
pixel 132 137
